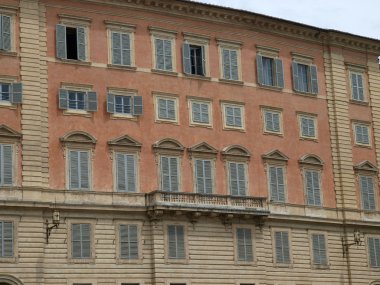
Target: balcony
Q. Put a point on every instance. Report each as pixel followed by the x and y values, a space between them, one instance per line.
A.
pixel 204 203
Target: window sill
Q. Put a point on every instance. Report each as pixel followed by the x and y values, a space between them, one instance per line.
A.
pixel 198 125
pixel 270 133
pixel 320 267
pixel 233 82
pixel 81 113
pixel 7 105
pixel 283 265
pixel 129 261
pixel 123 117
pixel 309 139
pixel 270 87
pixel 199 77
pixel 82 261
pixel 8 53
pixel 164 72
pixel 122 67
pixel 246 263
pixel 360 103
pixel 74 61
pixel 305 94
pixel 8 260
pixel 176 261
pixel 162 121
pixel 242 130
pixel 363 145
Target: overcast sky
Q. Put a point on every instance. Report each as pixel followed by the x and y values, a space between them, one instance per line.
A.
pixel 356 17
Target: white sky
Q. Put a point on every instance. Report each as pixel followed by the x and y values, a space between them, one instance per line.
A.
pixel 360 17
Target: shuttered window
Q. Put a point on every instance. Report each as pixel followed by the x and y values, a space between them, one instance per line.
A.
pixel 79 170
pixel 176 242
pixel 169 173
pixel 270 71
pixel 129 242
pixel 6 165
pixel 357 87
pixel 194 61
pixel 78 100
pixel 307 127
pixel 121 48
pixel 164 58
pixel 277 183
pixel 5 33
pixel 81 241
pixel 6 239
pixel 319 249
pixel 282 247
pixel 367 192
pixel 126 172
pixel 313 189
pixel 272 121
pixel 11 92
pixel 233 116
pixel 203 176
pixel 124 104
pixel 71 42
pixel 244 244
pixel 305 78
pixel 230 64
pixel 374 251
pixel 237 179
pixel 166 109
pixel 362 134
pixel 200 112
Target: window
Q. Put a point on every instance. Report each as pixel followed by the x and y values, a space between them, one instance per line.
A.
pixel 129 245
pixel 166 109
pixel 313 188
pixel 71 42
pixel 272 121
pixel 5 32
pixel 367 192
pixel 319 249
pixel 194 61
pixel 11 92
pixel 270 71
pixel 305 78
pixel 78 100
pixel 81 241
pixel 200 112
pixel 233 116
pixel 357 90
pixel 125 172
pixel 124 104
pixel 230 63
pixel 244 244
pixel 164 54
pixel 6 239
pixel 277 183
pixel 79 170
pixel 176 242
pixel 204 176
pixel 374 251
pixel 362 134
pixel 307 127
pixel 6 165
pixel 170 177
pixel 237 178
pixel 282 247
pixel 121 48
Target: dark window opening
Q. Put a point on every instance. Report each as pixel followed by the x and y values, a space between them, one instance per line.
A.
pixel 196 58
pixel 71 43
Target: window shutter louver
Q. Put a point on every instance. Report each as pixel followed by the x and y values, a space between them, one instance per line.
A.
pixel 128 242
pixel 133 242
pixel 244 246
pixel 5 43
pixel 314 79
pixel 81 43
pixel 137 105
pixel 269 121
pixel 208 176
pixel 233 173
pixel 16 96
pixel 174 181
pixel 74 169
pixel 273 184
pixel 204 114
pixel 203 51
pixel 126 49
pixel 316 188
pixel 368 195
pixel 92 101
pixel 241 179
pixel 168 55
pixel 226 64
pixel 199 176
pixel 60 37
pixel 286 250
pixel 116 48
pixel 1 165
pixel 196 112
pixel 63 99
pixel 86 240
pixel 309 187
pixel 1 32
pixel 84 170
pixel 305 127
pixel 374 251
pixel 279 249
pixel 7 164
pixel 6 239
pixel 186 58
pixel 237 117
pixel 276 122
pixel 160 56
pixel 162 109
pixel 259 63
pixel 311 128
pixel 279 73
pixel 360 88
pixel 130 173
pixel 110 103
pixel 229 116
pixel 280 184
pixel 165 177
pixel 123 235
pixel 171 109
pixel 180 242
pixel 76 251
pixel 234 65
pixel 120 172
pixel 354 81
pixel 241 244
pixel 295 76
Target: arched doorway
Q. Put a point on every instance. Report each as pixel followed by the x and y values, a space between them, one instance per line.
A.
pixel 9 280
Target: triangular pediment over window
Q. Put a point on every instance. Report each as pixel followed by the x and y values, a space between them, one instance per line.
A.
pixel 78 137
pixel 312 160
pixel 8 133
pixel 203 148
pixel 365 166
pixel 275 155
pixel 125 141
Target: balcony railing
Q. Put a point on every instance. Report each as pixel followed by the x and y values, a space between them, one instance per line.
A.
pixel 207 203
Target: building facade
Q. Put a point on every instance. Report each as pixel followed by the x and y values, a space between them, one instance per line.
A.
pixel 171 142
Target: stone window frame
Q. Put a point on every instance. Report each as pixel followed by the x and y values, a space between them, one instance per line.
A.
pixel 139 224
pixel 15 221
pixel 166 96
pixel 8 79
pixel 235 243
pixel 274 54
pixel 185 226
pixel 359 69
pixel 368 125
pixel 80 88
pixel 367 236
pixel 234 46
pixel 12 137
pixel 128 145
pixel 325 234
pixel 273 238
pixel 200 100
pixel 279 111
pixel 123 92
pixel 307 60
pixel 312 116
pixel 124 28
pixel 312 162
pixel 240 105
pixel 81 141
pixel 366 168
pixel 13 13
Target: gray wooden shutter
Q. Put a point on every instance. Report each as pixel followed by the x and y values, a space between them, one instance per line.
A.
pixel 6 239
pixel 7 165
pixel 203 51
pixel 244 244
pixel 226 63
pixel 269 121
pixel 276 122
pixel 374 251
pixel 204 113
pixel 74 169
pixel 229 116
pixel 131 172
pixel 186 58
pixel 86 240
pixel 63 99
pixel 296 84
pixel 128 242
pixel 116 48
pixel 234 65
pixel 5 41
pixel 92 101
pixel 172 242
pixel 259 64
pixel 174 174
pixel 279 73
pixel 282 247
pixel 165 176
pixel 16 95
pixel 240 244
pixel 171 115
pixel 208 176
pixel 314 79
pixel 120 172
pixel 76 251
pixel 60 38
pixel 84 169
pixel 180 242
pixel 360 87
pixel 309 188
pixel 123 237
pixel 319 249
pixel 137 105
pixel 354 82
pixel 162 109
pixel 160 56
pixel 81 43
pixel 199 176
pixel 196 109
pixel 280 184
pixel 233 178
pixel 110 103
pixel 168 58
pixel 126 49
pixel 368 195
pixel 238 122
pixel 241 179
